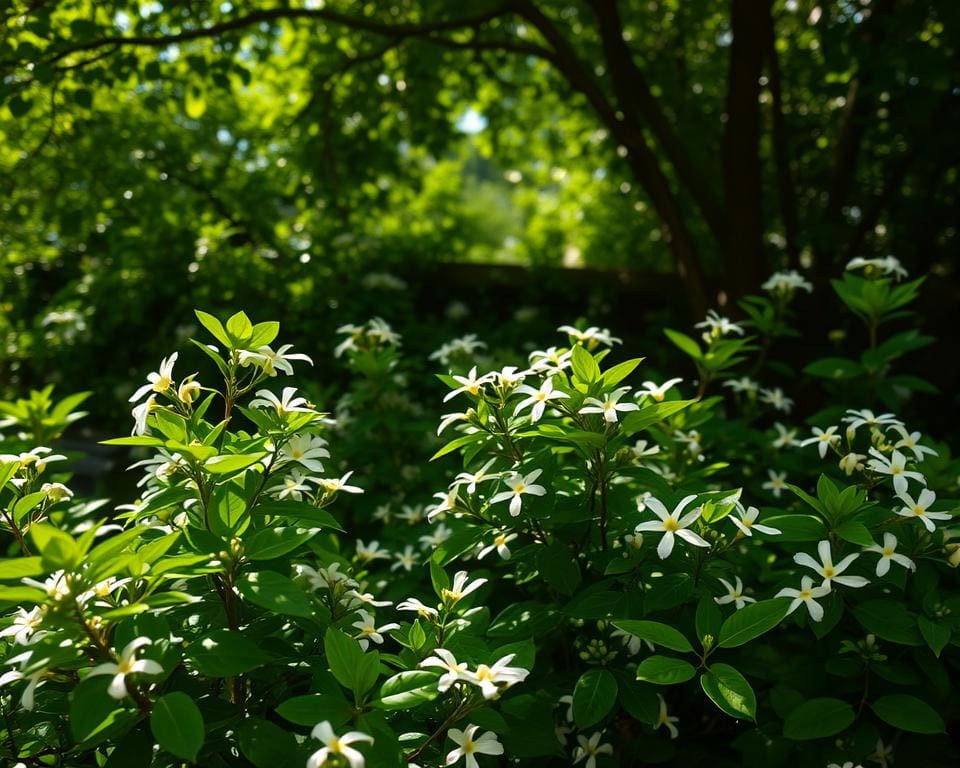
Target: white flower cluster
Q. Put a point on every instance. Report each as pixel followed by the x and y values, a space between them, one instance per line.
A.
pixel 376 333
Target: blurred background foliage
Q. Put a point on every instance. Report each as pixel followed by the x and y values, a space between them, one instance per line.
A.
pixel 291 158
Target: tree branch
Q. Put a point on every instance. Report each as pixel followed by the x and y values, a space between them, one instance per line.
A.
pixel 641 158
pixel 640 106
pixel 362 23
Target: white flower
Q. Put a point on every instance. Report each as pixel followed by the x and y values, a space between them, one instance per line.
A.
pixel 446 502
pixel 460 588
pixel 920 508
pixel 671 524
pixel 550 360
pixel 500 542
pixel 333 485
pixel 413 604
pixel 827 569
pixel 471 480
pixel 467 745
pixel 807 594
pixel 786 283
pixel 305 450
pixel 744 384
pixel 286 403
pixel 337 745
pixel 127 665
pixel 38 458
pixel 590 748
pixel 440 534
pixel 490 678
pixel 590 337
pixel 365 598
pixel 609 406
pixel 776 483
pixel 32 678
pixel 888 265
pixel 519 486
pixel 140 414
pixel 747 522
pixel 717 325
pixel 642 448
pixel 911 441
pixel 657 391
pixel 369 629
pixel 294 485
pixel 454 670
pixel 777 399
pixel 271 361
pixel 160 382
pixel 888 553
pixel 734 595
pixel 665 719
pixel 469 384
pixel 866 417
pixel 896 466
pixel 568 700
pixel 785 437
pixel 367 553
pixel 538 398
pixel 406 559
pixel 823 440
pixel 633 645
pixel 25 626
pixel 851 462
pixel 56 492
pixel 450 418
pixel 507 378
pixel 882 754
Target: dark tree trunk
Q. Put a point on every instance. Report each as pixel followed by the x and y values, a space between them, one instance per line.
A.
pixel 743 254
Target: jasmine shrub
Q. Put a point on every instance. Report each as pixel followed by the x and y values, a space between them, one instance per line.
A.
pixel 620 567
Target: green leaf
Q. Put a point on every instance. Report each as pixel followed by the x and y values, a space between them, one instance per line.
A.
pixel 837 368
pixel 315 708
pixel 937 635
pixel 227 514
pixel 345 656
pixel 855 533
pixel 407 690
pixel 668 592
pixel 274 542
pixel 460 442
pixel 177 725
pixel 438 578
pixel 19 567
pixel 752 621
pixel 299 511
pixel 57 549
pixel 194 101
pixel 684 343
pixel 558 566
pixel 227 463
pixel 593 697
pixel 225 653
pixel 656 633
pixel 730 691
pixel 889 620
pixel 263 334
pixel 616 374
pixel 585 368
pixel 239 328
pixel 266 745
pixel 147 441
pixel 908 713
pixel 274 592
pixel 635 421
pixel 665 670
pixel 94 714
pixel 215 327
pixel 797 528
pixel 708 618
pixel 818 718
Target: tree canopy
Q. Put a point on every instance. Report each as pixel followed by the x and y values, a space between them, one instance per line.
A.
pixel 719 139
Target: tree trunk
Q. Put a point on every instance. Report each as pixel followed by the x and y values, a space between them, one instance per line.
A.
pixel 743 254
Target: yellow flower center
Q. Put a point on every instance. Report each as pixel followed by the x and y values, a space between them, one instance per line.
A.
pixel 500 540
pixel 805 594
pixel 919 511
pixel 162 384
pixel 474 389
pixel 670 525
pixel 519 488
pixel 468 746
pixel 888 552
pixel 828 572
pixel 484 672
